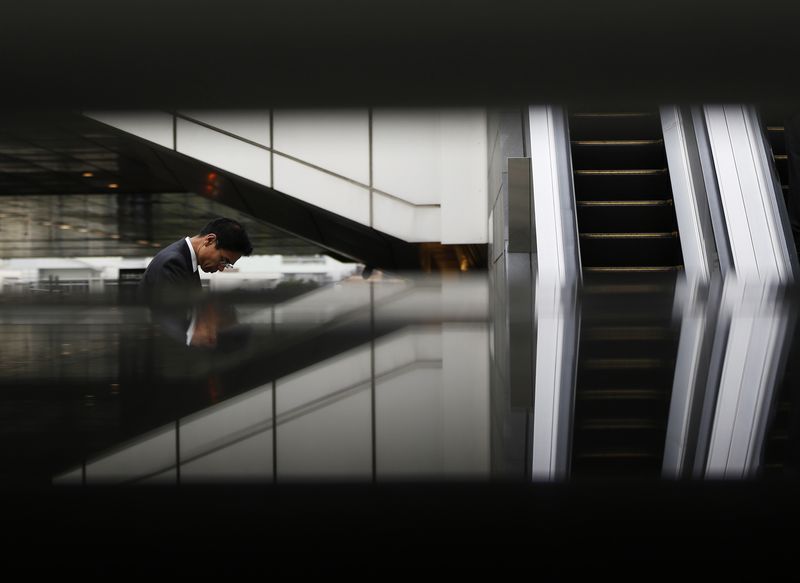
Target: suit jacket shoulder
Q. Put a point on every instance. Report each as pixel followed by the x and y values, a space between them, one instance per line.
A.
pixel 171 268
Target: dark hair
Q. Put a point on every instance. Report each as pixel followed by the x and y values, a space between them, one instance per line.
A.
pixel 230 235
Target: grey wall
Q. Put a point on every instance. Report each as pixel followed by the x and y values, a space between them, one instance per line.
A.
pixel 509 406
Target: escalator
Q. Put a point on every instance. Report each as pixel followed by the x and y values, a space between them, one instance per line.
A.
pixel 626 215
pixel 631 254
pixel 626 365
pixel 775 132
pixel 780 440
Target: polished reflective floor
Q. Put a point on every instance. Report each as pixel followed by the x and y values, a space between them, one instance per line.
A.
pixel 627 415
pixel 402 380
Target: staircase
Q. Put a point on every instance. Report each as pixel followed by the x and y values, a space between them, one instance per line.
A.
pixel 630 254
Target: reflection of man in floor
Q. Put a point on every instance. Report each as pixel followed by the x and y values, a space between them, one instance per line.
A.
pixel 792 135
pixel 168 372
pixel 198 324
pixel 212 323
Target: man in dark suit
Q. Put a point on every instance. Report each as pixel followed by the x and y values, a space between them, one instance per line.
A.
pixel 175 268
pixel 172 281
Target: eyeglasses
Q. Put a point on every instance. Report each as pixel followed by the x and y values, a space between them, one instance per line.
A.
pixel 224 263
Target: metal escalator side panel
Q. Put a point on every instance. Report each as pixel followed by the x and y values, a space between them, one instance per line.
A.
pixel 553 206
pixel 556 277
pixel 754 214
pixel 698 248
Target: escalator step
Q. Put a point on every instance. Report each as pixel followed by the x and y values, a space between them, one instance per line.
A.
pixel 594 185
pixel 609 440
pixel 596 424
pixel 607 154
pixel 618 333
pixel 776 138
pixel 624 363
pixel 628 348
pixel 614 126
pixel 619 455
pixel 639 269
pixel 615 235
pixel 652 411
pixel 629 250
pixel 624 203
pixel 618 216
pixel 622 172
pixel 622 394
pixel 619 379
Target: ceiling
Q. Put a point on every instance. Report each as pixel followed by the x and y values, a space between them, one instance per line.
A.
pixel 206 54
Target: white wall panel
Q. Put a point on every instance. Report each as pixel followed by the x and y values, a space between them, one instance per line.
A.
pixel 168 477
pixel 322 433
pixel 326 434
pixel 253 125
pixel 337 140
pixel 410 223
pixel 406 347
pixel 406 153
pixel 435 157
pixel 392 289
pixel 323 190
pixel 224 152
pixel 155 126
pixel 346 370
pixel 151 454
pixel 249 459
pixel 409 429
pixel 465 386
pixel 420 303
pixel 465 298
pixel 331 442
pixel 222 424
pixel 464 171
pixel 323 304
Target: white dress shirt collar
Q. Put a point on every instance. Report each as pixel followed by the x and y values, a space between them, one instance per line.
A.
pixel 194 255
